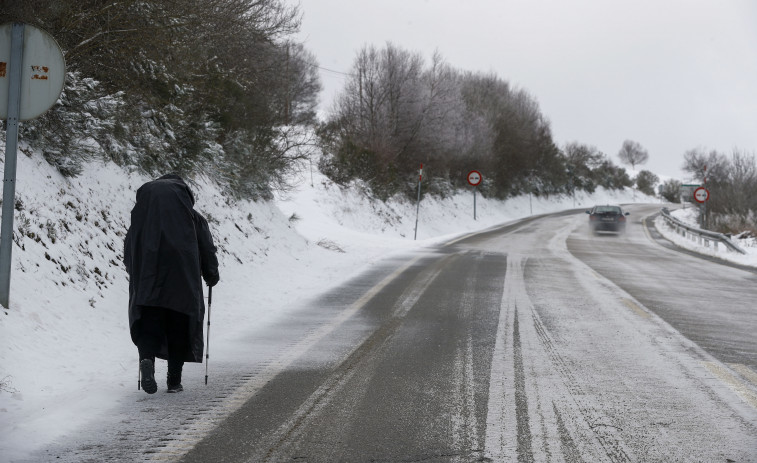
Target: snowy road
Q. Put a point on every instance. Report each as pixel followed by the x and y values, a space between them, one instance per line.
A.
pixel 535 341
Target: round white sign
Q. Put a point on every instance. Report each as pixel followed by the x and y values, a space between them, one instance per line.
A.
pixel 474 177
pixel 43 71
pixel 701 195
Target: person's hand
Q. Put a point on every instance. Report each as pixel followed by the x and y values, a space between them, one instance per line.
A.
pixel 212 281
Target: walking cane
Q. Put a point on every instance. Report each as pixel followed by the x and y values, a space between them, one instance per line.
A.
pixel 207 343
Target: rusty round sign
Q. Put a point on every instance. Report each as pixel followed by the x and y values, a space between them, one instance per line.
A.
pixel 43 71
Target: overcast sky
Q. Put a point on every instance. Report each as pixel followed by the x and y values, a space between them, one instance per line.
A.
pixel 670 74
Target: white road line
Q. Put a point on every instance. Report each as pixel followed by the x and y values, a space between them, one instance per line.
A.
pixel 414 292
pixel 501 427
pixel 449 243
pixel 748 374
pixel 734 382
pixel 636 308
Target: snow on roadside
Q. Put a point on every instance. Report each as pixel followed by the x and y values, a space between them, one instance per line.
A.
pixel 690 216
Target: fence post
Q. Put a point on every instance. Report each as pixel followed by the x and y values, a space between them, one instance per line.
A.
pixel 418 205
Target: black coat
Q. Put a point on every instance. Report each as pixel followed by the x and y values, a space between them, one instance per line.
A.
pixel 167 249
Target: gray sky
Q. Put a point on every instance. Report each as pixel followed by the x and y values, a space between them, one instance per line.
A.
pixel 670 74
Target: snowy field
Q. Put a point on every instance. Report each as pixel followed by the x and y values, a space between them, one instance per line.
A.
pixel 66 355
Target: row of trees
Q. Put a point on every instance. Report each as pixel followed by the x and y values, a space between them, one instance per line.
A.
pixel 397 111
pixel 218 88
pixel 191 86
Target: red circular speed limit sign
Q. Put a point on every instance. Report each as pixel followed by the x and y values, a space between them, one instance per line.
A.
pixel 701 195
pixel 474 177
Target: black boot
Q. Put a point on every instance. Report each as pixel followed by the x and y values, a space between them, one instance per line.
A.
pixel 147 368
pixel 174 382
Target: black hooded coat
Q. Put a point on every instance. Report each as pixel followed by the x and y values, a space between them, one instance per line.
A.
pixel 167 249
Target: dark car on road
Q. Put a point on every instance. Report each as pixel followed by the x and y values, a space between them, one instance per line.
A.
pixel 607 218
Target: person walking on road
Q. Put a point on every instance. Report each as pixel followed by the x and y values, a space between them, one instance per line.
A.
pixel 167 250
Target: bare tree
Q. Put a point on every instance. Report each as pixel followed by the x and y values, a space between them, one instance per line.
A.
pixel 701 163
pixel 388 105
pixel 299 84
pixel 633 153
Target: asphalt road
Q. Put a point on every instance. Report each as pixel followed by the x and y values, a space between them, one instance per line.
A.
pixel 711 303
pixel 533 341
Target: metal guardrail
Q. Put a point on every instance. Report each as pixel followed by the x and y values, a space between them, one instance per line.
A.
pixel 703 236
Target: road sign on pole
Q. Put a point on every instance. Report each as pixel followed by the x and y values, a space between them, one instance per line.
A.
pixel 32 72
pixel 42 68
pixel 474 178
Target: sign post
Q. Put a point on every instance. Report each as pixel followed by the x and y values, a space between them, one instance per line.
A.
pixel 702 195
pixel 32 73
pixel 418 204
pixel 704 204
pixel 474 178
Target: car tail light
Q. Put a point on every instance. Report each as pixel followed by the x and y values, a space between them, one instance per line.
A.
pixel 622 219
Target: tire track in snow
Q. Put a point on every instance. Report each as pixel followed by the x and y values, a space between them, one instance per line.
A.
pixel 607 435
pixel 465 430
pixel 526 417
pixel 525 454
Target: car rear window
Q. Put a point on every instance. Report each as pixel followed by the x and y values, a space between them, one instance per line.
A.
pixel 614 209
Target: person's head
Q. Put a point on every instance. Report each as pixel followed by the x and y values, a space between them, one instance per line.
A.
pixel 174 178
pixel 169 181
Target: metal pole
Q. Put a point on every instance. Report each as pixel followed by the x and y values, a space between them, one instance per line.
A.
pixel 474 203
pixel 11 145
pixel 530 190
pixel 530 205
pixel 418 203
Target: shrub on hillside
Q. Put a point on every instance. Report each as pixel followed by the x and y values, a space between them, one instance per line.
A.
pixel 646 181
pixel 671 190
